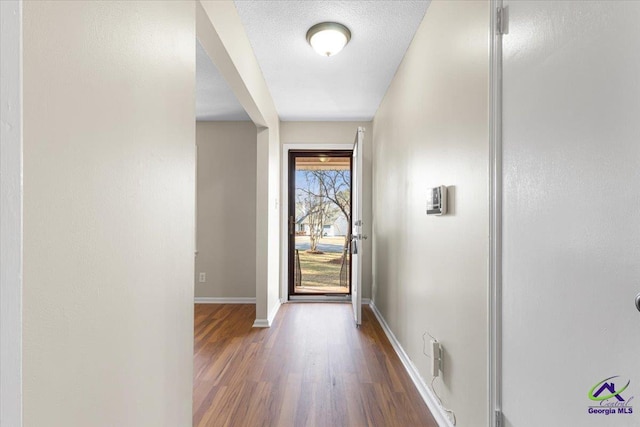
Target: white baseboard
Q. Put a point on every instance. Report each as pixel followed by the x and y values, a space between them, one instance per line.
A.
pixel 225 300
pixel 436 409
pixel 266 323
pixel 261 323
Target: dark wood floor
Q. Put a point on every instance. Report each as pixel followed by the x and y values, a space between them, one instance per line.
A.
pixel 313 367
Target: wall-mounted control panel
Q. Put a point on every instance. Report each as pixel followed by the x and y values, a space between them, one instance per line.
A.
pixel 437 200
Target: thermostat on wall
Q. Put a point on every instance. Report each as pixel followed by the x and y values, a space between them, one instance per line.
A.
pixel 437 200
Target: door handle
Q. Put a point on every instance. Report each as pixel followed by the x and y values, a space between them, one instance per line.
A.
pixel 638 302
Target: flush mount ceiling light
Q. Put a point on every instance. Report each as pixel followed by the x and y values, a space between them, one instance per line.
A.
pixel 328 38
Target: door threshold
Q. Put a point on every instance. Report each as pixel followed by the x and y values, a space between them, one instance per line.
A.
pixel 320 298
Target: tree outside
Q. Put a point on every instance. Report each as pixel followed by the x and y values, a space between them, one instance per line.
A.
pixel 321 196
pixel 323 216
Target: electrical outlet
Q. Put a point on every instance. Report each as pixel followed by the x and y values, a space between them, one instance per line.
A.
pixel 202 278
pixel 436 358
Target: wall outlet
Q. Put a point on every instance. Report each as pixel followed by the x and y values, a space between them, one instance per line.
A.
pixel 202 277
pixel 436 358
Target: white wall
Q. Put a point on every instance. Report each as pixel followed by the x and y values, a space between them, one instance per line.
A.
pixel 430 273
pixel 11 213
pixel 272 212
pixel 571 209
pixel 109 194
pixel 226 221
pixel 327 133
pixel 222 35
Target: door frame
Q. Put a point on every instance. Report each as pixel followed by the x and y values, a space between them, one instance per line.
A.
pixel 11 216
pixel 494 377
pixel 284 219
pixel 292 154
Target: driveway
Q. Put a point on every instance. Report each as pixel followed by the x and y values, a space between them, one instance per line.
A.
pixel 327 244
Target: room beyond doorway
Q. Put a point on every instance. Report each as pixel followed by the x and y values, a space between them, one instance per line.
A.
pixel 319 223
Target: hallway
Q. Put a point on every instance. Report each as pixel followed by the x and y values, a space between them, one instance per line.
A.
pixel 311 368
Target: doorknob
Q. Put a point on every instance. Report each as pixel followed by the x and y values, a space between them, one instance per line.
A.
pixel 638 302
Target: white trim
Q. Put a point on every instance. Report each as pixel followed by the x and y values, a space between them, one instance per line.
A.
pixel 325 298
pixel 427 395
pixel 274 311
pixel 494 371
pixel 11 233
pixel 320 298
pixel 261 323
pixel 266 323
pixel 284 196
pixel 225 300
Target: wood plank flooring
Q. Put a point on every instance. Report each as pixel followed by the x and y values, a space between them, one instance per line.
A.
pixel 313 367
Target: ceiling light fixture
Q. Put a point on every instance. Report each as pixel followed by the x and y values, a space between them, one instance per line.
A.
pixel 328 38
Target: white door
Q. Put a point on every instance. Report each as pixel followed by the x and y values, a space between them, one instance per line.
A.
pixel 356 227
pixel 571 214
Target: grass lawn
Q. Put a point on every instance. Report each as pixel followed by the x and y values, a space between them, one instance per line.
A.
pixel 320 269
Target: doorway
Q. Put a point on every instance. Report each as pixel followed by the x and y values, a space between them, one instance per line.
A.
pixel 319 223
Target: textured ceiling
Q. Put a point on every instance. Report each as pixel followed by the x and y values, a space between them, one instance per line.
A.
pixel 347 86
pixel 214 99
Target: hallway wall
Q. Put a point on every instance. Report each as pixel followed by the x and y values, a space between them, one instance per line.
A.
pixel 226 218
pixel 109 208
pixel 223 36
pixel 430 273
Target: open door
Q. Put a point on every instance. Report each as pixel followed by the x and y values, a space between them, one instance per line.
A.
pixel 356 228
pixel 570 235
pixel 319 260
